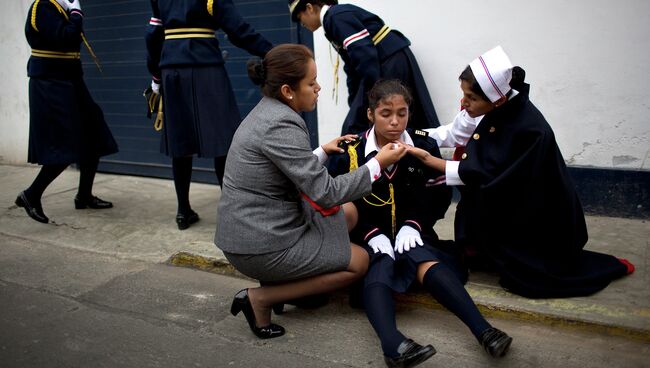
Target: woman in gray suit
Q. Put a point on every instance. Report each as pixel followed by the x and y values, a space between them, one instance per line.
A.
pixel 278 218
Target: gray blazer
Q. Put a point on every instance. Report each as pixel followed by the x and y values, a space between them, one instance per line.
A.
pixel 270 162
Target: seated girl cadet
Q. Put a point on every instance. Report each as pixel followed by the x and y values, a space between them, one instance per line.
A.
pixel 519 212
pixel 395 226
pixel 370 50
pixel 266 226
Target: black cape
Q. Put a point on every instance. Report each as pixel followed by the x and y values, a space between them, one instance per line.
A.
pixel 519 209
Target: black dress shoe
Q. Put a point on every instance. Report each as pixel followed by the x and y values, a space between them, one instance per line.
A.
pixel 92 202
pixel 495 342
pixel 33 211
pixel 410 354
pixel 185 220
pixel 241 303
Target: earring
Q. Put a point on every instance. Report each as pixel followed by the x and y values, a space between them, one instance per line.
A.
pixel 291 97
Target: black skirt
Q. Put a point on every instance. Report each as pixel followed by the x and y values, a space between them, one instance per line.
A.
pixel 403 66
pixel 200 111
pixel 400 273
pixel 65 124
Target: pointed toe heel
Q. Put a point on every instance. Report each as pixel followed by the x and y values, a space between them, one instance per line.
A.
pixel 241 303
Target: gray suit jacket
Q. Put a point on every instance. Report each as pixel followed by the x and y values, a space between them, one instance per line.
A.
pixel 270 162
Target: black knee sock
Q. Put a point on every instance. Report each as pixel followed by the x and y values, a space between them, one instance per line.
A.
pixel 182 169
pixel 87 170
pixel 445 287
pixel 220 168
pixel 44 178
pixel 380 309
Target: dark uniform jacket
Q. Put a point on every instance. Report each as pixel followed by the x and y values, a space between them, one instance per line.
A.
pixel 66 125
pixel 520 208
pixel 189 29
pixel 371 50
pixel 347 24
pixel 418 202
pixel 55 39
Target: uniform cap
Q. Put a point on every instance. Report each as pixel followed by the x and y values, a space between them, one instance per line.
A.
pixel 493 72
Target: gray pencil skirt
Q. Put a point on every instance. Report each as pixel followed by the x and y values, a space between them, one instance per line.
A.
pixel 324 248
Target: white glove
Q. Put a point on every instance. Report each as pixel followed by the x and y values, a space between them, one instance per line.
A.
pixel 155 87
pixel 406 239
pixel 74 5
pixel 69 5
pixel 381 243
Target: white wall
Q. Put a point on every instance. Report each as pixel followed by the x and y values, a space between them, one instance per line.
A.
pixel 587 62
pixel 14 108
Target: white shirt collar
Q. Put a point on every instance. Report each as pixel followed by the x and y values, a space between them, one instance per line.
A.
pixel 371 142
pixel 323 10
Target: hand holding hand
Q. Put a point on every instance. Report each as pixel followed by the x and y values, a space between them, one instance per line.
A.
pixel 390 153
pixel 381 243
pixel 333 146
pixel 406 239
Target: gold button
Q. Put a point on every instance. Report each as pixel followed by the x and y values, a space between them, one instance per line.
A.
pixel 476 136
pixel 492 129
pixel 464 156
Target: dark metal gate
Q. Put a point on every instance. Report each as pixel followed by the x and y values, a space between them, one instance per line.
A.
pixel 116 28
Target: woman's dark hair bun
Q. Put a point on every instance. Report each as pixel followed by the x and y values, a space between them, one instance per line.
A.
pixel 256 71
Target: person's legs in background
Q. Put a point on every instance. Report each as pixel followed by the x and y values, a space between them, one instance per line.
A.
pixel 30 198
pixel 182 170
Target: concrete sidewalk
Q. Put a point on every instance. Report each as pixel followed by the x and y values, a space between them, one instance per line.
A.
pixel 142 227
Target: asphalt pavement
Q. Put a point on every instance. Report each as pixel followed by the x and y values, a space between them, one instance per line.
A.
pixel 113 268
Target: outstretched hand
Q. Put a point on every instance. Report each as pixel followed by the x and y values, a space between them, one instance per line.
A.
pixel 333 146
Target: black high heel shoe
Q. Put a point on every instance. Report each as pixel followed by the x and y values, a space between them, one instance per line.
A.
pixel 495 342
pixel 241 303
pixel 92 202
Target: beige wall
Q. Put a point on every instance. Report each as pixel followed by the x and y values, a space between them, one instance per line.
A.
pixel 586 60
pixel 14 109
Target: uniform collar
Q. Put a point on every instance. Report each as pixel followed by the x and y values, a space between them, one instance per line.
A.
pixel 371 141
pixel 323 10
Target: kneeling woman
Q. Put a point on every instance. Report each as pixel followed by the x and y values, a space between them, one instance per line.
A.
pixel 519 212
pixel 268 225
pixel 395 224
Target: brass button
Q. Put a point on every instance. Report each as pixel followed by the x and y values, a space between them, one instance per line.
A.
pixel 476 136
pixel 464 156
pixel 492 129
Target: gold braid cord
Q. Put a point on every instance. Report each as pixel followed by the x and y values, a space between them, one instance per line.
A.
pixel 354 164
pixel 211 7
pixel 62 11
